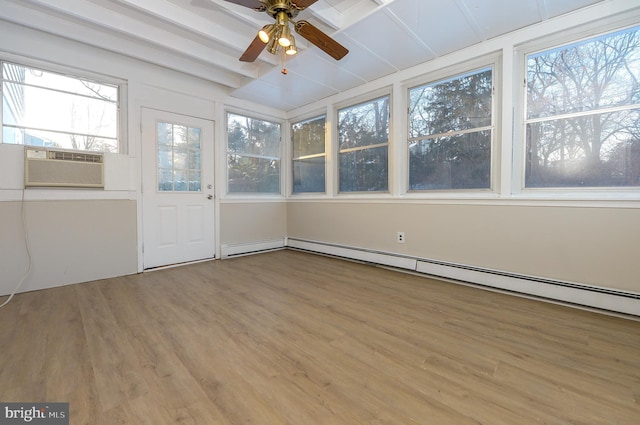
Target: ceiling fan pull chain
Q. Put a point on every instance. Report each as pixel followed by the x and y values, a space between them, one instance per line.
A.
pixel 284 62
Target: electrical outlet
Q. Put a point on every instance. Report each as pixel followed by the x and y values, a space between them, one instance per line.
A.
pixel 400 237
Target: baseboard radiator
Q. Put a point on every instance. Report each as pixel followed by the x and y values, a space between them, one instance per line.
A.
pixel 579 295
pixel 246 248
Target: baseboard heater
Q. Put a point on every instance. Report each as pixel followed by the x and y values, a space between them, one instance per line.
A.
pixel 600 298
pixel 239 249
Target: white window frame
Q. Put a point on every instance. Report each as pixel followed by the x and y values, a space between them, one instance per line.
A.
pixel 335 145
pixel 284 169
pixel 522 51
pixel 122 88
pixel 325 154
pixel 493 61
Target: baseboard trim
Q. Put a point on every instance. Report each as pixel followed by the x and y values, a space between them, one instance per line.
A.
pixel 579 295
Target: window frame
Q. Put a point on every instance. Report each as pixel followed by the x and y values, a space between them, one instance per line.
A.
pixel 494 61
pixel 492 127
pixel 522 51
pixel 325 154
pixel 123 147
pixel 353 102
pixel 281 151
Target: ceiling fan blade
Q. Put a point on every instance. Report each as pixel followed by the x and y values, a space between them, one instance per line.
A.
pixel 253 51
pixel 253 4
pixel 320 39
pixel 303 4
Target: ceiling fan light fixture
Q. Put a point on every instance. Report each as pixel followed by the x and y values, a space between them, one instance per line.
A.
pixel 273 46
pixel 285 36
pixel 266 33
pixel 291 49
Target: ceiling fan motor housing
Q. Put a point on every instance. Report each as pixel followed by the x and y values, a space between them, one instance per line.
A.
pixel 274 7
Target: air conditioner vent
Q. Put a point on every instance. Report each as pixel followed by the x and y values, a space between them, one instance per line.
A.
pixel 60 168
pixel 75 156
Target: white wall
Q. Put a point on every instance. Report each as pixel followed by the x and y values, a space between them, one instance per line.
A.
pixel 80 235
pixel 584 245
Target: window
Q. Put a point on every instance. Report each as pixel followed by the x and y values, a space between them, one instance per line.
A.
pixel 42 108
pixel 178 151
pixel 450 133
pixel 583 113
pixel 253 155
pixel 309 155
pixel 363 137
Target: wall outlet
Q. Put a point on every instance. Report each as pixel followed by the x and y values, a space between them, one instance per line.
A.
pixel 400 237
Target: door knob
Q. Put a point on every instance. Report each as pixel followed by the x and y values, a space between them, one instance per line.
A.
pixel 209 196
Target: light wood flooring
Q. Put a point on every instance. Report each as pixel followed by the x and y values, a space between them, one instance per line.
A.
pixel 294 338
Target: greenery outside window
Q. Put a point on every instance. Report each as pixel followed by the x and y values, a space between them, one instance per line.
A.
pixel 253 155
pixel 43 108
pixel 363 139
pixel 583 113
pixel 450 133
pixel 308 138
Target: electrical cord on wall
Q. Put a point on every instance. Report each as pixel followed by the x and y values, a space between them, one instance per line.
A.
pixel 26 244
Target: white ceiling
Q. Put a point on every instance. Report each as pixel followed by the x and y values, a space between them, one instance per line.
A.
pixel 204 38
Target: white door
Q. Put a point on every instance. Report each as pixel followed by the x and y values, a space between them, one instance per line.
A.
pixel 177 188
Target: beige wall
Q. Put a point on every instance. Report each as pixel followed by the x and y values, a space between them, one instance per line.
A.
pixel 243 222
pixel 596 246
pixel 71 242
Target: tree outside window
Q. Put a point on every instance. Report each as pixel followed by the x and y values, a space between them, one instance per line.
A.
pixel 308 138
pixel 583 113
pixel 450 133
pixel 253 155
pixel 363 137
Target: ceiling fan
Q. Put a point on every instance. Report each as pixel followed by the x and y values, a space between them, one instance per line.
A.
pixel 277 36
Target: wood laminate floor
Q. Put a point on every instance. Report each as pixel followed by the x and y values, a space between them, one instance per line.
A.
pixel 295 338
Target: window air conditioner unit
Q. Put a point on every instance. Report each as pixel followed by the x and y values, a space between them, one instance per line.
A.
pixel 61 168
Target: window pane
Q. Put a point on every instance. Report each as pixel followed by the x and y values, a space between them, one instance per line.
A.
pixel 179 135
pixel 252 136
pixel 460 103
pixel 308 137
pixel 194 138
pixel 596 150
pixel 178 158
pixel 165 133
pixel 165 156
pixel 40 78
pixel 53 110
pixel 253 163
pixel 364 124
pixel 194 159
pixel 194 181
pixel 461 160
pixel 308 175
pixel 364 170
pixel 254 175
pixel 574 137
pixel 165 180
pixel 21 136
pixel 179 180
pixel 598 73
pixel 456 162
